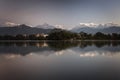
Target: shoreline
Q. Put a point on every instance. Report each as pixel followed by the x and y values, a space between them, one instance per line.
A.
pixel 57 40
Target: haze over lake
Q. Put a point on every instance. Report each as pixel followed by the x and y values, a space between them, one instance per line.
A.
pixel 60 60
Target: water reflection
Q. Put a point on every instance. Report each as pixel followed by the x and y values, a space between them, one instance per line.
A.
pixel 83 48
pixel 60 60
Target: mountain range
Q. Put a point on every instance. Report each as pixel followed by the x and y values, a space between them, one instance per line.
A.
pixel 46 28
pixel 22 29
pixel 92 28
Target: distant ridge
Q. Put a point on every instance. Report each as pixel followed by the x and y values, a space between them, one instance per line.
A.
pixel 46 28
pixel 22 29
pixel 92 30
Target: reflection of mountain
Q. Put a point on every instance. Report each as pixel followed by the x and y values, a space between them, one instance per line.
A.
pixel 62 45
pixel 47 48
pixel 23 48
pixel 93 50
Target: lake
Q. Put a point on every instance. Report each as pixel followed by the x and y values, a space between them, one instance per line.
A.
pixel 60 60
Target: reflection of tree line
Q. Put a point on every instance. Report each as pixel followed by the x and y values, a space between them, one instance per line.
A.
pixel 62 44
pixel 25 48
pixel 22 37
pixel 22 48
pixel 24 44
pixel 99 44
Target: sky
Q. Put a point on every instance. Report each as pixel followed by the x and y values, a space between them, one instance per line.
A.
pixel 67 13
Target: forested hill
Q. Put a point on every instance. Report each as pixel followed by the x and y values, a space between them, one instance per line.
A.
pixel 22 29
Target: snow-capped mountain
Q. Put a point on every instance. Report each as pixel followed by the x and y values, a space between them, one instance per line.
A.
pixel 22 29
pixel 45 26
pixel 94 28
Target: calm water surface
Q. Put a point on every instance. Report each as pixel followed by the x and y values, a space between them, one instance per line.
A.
pixel 60 60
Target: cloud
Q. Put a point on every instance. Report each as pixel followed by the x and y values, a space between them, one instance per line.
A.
pixel 95 25
pixel 89 24
pixel 110 24
pixel 11 24
pixel 48 26
pixel 60 26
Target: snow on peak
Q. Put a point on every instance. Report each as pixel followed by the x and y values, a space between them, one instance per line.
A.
pixel 45 26
pixel 110 24
pixel 59 26
pixel 88 24
pixel 94 25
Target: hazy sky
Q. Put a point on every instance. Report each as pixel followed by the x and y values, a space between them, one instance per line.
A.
pixel 59 12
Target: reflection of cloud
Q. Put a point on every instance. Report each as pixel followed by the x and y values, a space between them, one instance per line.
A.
pixel 95 53
pixel 45 45
pixel 43 48
pixel 31 54
pixel 87 53
pixel 90 54
pixel 11 56
pixel 59 53
pixel 41 45
pixel 64 52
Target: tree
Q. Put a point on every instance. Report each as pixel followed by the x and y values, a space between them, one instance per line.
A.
pixel 99 36
pixel 62 35
pixel 20 37
pixel 84 36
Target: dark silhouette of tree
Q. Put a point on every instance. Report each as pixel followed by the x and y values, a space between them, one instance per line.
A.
pixel 59 34
pixel 20 37
pixel 32 37
pixel 7 37
pixel 100 36
pixel 62 35
pixel 115 36
pixel 62 45
pixel 85 36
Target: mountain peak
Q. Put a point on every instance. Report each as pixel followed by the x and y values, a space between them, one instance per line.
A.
pixel 45 26
pixel 23 25
pixel 20 26
pixel 88 24
pixel 103 29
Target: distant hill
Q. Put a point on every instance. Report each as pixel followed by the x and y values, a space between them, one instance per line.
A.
pixel 92 30
pixel 46 26
pixel 22 29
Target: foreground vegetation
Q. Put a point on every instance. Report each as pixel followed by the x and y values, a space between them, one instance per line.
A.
pixel 63 35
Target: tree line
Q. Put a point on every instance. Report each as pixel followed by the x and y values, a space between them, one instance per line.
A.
pixel 22 37
pixel 63 35
pixel 67 35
